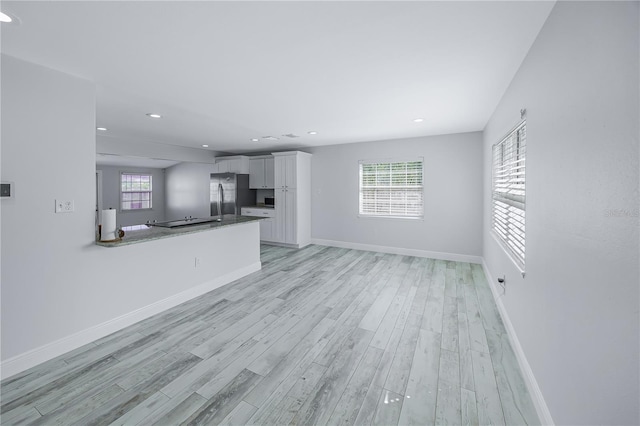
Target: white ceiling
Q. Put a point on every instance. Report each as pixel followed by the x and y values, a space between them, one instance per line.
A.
pixel 222 73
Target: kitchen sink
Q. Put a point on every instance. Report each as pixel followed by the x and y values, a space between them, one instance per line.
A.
pixel 184 222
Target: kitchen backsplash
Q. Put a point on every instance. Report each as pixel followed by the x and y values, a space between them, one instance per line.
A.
pixel 262 193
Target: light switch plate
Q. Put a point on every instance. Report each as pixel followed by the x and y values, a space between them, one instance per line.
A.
pixel 64 206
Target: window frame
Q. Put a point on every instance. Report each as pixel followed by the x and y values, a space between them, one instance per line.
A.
pixel 150 191
pixel 510 204
pixel 362 214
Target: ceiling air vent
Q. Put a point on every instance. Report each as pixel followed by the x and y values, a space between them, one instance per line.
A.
pixel 270 138
pixel 291 135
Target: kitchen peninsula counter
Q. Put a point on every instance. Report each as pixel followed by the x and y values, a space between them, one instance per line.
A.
pixel 154 269
pixel 152 233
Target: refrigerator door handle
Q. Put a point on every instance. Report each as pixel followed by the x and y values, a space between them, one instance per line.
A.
pixel 220 198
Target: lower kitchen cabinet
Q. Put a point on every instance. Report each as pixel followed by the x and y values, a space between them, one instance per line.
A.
pixel 266 230
pixel 267 225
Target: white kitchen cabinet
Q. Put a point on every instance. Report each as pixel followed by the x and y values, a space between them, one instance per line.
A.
pixel 220 167
pixel 236 164
pixel 286 216
pixel 256 173
pixel 261 173
pixel 292 224
pixel 266 230
pixel 269 173
pixel 267 225
pixel 286 171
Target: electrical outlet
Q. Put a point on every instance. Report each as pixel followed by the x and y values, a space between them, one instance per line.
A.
pixel 503 283
pixel 196 263
pixel 64 206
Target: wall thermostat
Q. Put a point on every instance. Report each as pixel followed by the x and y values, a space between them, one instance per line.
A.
pixel 6 190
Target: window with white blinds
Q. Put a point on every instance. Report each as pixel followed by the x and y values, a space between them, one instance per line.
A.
pixel 508 192
pixel 391 189
pixel 135 191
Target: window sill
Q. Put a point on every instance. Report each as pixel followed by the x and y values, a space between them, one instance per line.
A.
pixel 368 216
pixel 135 210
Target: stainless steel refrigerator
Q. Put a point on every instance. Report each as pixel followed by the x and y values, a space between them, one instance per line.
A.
pixel 229 192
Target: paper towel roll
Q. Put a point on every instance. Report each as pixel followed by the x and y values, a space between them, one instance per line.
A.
pixel 108 225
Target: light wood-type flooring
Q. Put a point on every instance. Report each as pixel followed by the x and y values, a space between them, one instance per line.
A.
pixel 320 335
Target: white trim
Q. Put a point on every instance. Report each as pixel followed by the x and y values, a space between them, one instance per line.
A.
pixel 390 161
pixel 544 414
pixel 393 160
pixel 399 250
pixel 284 153
pixel 374 216
pixel 294 246
pixel 506 166
pixel 51 350
pixel 99 202
pixel 514 128
pixel 399 218
pixel 508 252
pixel 150 192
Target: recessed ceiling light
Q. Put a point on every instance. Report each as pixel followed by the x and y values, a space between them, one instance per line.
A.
pixel 255 140
pixel 313 132
pixel 205 146
pixel 270 138
pixel 418 120
pixel 102 129
pixel 5 18
pixel 154 115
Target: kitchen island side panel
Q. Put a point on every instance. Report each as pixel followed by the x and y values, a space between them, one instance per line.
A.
pixel 133 282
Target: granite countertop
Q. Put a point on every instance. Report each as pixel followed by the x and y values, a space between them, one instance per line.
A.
pixel 260 207
pixel 156 233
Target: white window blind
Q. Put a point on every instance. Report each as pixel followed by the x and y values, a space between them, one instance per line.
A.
pixel 135 191
pixel 391 189
pixel 508 213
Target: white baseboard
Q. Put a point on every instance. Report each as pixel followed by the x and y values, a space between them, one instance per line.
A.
pixel 51 350
pixel 399 250
pixel 293 246
pixel 530 380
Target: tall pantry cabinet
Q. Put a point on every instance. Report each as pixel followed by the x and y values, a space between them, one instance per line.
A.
pixel 292 198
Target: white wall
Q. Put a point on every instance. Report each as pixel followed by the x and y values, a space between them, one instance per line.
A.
pixel 187 186
pixel 576 312
pixel 453 195
pixel 48 150
pixel 111 195
pixel 56 283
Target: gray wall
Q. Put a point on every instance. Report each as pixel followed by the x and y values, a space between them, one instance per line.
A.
pixel 111 195
pixel 59 290
pixel 187 187
pixel 453 195
pixel 48 150
pixel 576 312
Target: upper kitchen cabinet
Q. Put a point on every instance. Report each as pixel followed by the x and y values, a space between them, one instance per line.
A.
pixel 262 172
pixel 235 164
pixel 286 170
pixel 292 224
